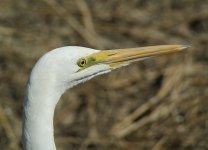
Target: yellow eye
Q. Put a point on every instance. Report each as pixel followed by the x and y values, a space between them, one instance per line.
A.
pixel 82 62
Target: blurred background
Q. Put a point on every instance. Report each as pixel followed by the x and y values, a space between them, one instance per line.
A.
pixel 156 104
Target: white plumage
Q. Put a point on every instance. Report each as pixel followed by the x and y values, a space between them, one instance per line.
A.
pixel 64 68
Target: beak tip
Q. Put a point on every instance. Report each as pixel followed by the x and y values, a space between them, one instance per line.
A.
pixel 184 47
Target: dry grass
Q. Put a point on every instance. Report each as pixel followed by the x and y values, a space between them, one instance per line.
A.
pixel 156 104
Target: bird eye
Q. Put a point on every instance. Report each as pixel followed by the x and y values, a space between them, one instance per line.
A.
pixel 82 62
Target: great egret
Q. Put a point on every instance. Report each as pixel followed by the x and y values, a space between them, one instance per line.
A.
pixel 63 68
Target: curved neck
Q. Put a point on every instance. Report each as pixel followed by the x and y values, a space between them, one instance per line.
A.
pixel 38 115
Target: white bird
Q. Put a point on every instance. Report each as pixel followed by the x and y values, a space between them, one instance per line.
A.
pixel 61 69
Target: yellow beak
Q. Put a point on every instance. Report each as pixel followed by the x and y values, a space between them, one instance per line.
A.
pixel 125 56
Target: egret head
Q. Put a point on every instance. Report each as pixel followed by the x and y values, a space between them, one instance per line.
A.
pixel 67 66
pixel 63 68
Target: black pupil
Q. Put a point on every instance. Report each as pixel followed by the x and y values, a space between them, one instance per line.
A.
pixel 83 62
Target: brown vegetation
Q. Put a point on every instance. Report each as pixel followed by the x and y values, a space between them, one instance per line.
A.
pixel 157 104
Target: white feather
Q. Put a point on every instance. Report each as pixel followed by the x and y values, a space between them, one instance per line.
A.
pixel 54 73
